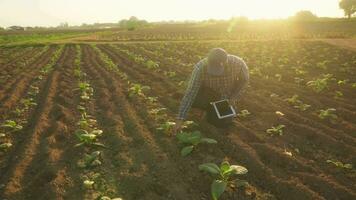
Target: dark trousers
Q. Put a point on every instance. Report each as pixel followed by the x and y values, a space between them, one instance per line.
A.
pixel 202 101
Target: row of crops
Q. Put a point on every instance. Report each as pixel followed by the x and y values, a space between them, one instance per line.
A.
pixel 106 114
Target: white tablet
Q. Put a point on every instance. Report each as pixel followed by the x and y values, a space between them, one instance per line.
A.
pixel 223 109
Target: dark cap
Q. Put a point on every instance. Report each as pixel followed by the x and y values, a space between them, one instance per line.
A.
pixel 216 56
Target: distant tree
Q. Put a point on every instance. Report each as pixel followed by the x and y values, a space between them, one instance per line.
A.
pixel 63 25
pixel 132 23
pixel 305 15
pixel 349 7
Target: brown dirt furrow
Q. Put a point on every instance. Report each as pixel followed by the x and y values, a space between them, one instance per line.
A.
pixel 14 90
pixel 289 166
pixel 24 53
pixel 55 157
pixel 29 146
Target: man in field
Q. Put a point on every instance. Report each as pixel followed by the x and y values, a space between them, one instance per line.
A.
pixel 217 77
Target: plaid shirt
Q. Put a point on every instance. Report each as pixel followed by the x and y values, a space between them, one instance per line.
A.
pixel 235 69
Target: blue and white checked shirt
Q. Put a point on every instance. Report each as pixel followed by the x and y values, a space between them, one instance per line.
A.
pixel 235 69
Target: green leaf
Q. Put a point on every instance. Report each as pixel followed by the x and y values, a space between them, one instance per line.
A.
pixel 225 166
pixel 217 188
pixel 209 140
pixel 210 168
pixel 187 150
pixel 238 169
pixel 189 138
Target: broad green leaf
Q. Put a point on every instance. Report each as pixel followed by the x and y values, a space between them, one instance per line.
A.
pixel 186 150
pixel 217 188
pixel 210 167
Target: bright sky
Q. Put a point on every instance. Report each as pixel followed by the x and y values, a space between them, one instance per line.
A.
pixel 76 12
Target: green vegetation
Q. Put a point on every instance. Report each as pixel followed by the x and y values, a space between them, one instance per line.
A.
pixel 278 130
pixel 35 38
pixel 320 84
pixel 137 90
pixel 11 125
pixel 297 103
pixel 224 177
pixel 243 113
pixel 340 164
pixel 192 139
pixel 328 114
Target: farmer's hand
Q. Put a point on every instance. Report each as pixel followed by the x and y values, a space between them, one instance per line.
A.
pixel 178 126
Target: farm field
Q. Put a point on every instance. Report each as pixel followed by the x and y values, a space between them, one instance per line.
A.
pixel 92 121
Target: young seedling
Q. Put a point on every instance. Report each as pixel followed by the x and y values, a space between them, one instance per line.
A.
pixel 166 127
pixel 137 90
pixel 328 114
pixel 151 64
pixel 338 94
pixel 34 91
pixel 170 74
pixel 278 130
pixel 192 139
pixel 86 138
pixel 90 160
pixel 243 113
pixel 302 106
pixel 5 146
pixel 88 184
pixel 320 84
pixel 27 103
pixel 158 113
pixel 152 100
pixel 11 125
pixel 297 103
pixel 224 177
pixel 342 82
pixel 340 164
pixel 293 100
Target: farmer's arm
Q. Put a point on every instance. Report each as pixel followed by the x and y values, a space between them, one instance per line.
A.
pixel 191 92
pixel 243 78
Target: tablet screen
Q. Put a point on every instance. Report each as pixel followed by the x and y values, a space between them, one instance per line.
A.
pixel 224 108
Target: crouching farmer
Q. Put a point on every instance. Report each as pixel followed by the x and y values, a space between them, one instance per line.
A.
pixel 217 77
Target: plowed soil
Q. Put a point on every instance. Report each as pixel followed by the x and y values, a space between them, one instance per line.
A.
pixel 142 163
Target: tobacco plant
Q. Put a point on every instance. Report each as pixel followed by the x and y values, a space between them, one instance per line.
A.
pixel 328 114
pixel 137 89
pixel 320 84
pixel 224 177
pixel 278 130
pixel 243 113
pixel 11 125
pixel 192 139
pixel 90 160
pixel 166 127
pixel 86 138
pixel 340 164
